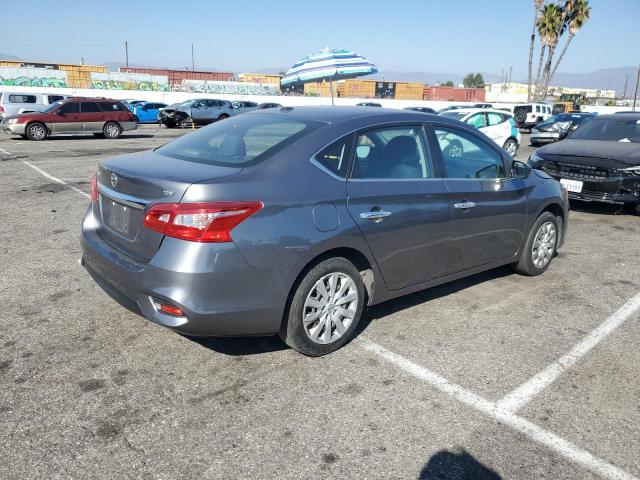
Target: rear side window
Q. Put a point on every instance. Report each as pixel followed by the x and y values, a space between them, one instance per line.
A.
pixel 54 98
pixel 22 99
pixel 89 107
pixel 112 107
pixel 494 119
pixel 72 107
pixel 239 141
pixel 335 157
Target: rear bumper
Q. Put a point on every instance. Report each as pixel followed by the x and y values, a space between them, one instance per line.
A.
pixel 219 293
pixel 128 126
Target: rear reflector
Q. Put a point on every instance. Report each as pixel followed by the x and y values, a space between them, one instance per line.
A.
pixel 166 308
pixel 94 188
pixel 199 222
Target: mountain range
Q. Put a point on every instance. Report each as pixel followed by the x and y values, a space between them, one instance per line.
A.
pixel 603 79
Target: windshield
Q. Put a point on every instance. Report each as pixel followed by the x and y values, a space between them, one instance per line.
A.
pixel 453 114
pixel 617 129
pixel 52 107
pixel 238 141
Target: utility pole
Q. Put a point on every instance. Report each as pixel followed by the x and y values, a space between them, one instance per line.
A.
pixel 635 95
pixel 626 80
pixel 126 53
pixel 193 60
pixel 510 72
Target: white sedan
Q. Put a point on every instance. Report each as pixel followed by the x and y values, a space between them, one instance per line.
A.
pixel 498 125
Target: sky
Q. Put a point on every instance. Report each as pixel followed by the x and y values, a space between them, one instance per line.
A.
pixel 455 36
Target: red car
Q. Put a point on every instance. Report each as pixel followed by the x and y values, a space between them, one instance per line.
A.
pixel 100 116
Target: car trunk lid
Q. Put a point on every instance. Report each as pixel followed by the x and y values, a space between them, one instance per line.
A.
pixel 130 184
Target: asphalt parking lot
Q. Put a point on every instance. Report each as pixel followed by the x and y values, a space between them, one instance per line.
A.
pixel 496 376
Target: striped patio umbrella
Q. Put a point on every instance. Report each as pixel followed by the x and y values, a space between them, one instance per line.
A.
pixel 328 65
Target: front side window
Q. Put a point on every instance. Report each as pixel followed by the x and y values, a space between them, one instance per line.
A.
pixel 392 153
pixel 72 107
pixel 477 120
pixel 238 141
pixel 537 108
pixel 22 99
pixel 465 156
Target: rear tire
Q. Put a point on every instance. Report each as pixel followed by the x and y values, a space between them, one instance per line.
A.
pixel 511 147
pixel 111 130
pixel 223 116
pixel 540 247
pixel 325 308
pixel 36 131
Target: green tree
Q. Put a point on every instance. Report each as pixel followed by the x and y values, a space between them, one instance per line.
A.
pixel 448 83
pixel 473 80
pixel 538 7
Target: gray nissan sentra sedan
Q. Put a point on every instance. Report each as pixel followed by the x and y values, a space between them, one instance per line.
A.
pixel 292 220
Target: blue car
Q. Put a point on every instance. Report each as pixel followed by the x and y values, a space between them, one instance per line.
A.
pixel 147 112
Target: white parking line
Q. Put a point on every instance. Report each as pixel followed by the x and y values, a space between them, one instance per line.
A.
pixel 57 180
pixel 491 409
pixel 497 411
pixel 523 394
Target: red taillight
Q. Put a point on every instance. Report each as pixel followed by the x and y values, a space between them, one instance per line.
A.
pixel 94 188
pixel 170 310
pixel 1 109
pixel 199 222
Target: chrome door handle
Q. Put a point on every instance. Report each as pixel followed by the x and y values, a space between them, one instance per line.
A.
pixel 375 215
pixel 464 205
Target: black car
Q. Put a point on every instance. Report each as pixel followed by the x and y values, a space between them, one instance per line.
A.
pixel 599 162
pixel 368 104
pixel 422 110
pixel 266 105
pixel 557 127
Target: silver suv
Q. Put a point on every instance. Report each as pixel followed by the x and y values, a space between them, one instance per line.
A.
pixel 14 103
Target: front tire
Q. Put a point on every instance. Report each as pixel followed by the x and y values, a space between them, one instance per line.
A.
pixel 223 116
pixel 111 130
pixel 540 247
pixel 36 131
pixel 325 308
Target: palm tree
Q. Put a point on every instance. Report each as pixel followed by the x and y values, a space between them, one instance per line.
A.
pixel 547 24
pixel 538 6
pixel 576 20
pixel 560 18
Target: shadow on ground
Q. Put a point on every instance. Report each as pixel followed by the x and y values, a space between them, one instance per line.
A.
pixel 235 346
pixel 456 465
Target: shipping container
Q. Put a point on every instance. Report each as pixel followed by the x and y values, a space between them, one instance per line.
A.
pixel 320 89
pixel 409 91
pixel 454 94
pixel 176 76
pixel 78 75
pixel 357 88
pixel 260 78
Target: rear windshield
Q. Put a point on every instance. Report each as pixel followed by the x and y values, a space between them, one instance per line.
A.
pixel 238 141
pixel 453 114
pixel 617 129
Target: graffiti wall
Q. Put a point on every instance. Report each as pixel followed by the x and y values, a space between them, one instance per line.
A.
pixel 129 81
pixel 237 88
pixel 33 77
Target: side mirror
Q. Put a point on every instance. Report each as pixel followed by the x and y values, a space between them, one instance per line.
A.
pixel 520 169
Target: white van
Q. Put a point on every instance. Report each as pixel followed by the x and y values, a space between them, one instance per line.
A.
pixel 13 103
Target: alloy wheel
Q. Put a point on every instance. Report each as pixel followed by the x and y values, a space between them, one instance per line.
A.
pixel 330 308
pixel 111 130
pixel 544 244
pixel 37 131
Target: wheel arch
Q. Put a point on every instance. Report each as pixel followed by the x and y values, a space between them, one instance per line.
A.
pixel 556 209
pixel 355 256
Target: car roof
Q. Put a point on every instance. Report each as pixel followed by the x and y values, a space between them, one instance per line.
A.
pixel 89 99
pixel 479 110
pixel 339 114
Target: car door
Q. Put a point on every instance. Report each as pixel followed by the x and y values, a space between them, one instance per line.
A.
pixel 198 112
pixel 498 129
pixel 67 119
pixel 92 116
pixel 489 207
pixel 397 197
